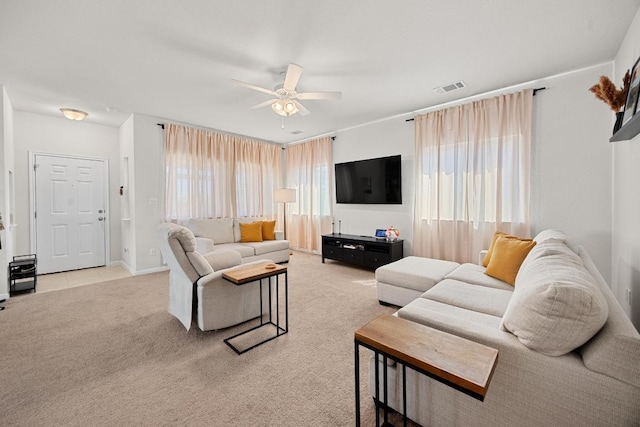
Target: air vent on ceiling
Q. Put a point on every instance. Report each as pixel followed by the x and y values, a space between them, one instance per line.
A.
pixel 450 87
pixel 296 132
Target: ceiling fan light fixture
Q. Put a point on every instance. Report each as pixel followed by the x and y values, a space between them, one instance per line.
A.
pixel 284 108
pixel 73 114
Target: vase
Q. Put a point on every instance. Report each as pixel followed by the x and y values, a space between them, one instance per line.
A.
pixel 618 125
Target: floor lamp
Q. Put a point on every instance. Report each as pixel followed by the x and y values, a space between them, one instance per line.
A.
pixel 284 195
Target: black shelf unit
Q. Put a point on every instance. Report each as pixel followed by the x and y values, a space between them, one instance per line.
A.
pixel 22 273
pixel 364 251
pixel 628 131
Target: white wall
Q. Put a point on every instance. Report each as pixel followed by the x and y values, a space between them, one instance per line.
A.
pixel 149 194
pixel 625 257
pixel 571 174
pixel 7 166
pixel 55 135
pixel 127 207
pixel 142 144
pixel 386 138
pixel 571 166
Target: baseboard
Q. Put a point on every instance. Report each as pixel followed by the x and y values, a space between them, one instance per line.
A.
pixel 151 270
pixel 4 296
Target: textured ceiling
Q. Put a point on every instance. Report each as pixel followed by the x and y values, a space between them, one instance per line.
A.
pixel 174 59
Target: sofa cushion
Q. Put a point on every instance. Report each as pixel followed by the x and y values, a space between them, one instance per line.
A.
pixel 615 349
pixel 558 236
pixel 269 230
pixel 236 225
pixel 218 230
pixel 415 272
pixel 267 246
pixel 244 249
pixel 475 274
pixel 556 306
pixel 471 297
pixel 508 254
pixel 443 316
pixel 250 231
pixel 200 264
pixel 222 259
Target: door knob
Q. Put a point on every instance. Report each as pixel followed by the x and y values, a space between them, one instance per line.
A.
pixel 100 211
pixel 100 218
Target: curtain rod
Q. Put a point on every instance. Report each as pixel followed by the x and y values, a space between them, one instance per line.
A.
pixel 534 94
pixel 161 125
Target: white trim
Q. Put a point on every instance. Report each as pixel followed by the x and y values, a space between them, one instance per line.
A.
pixel 150 270
pixel 32 199
pixel 5 297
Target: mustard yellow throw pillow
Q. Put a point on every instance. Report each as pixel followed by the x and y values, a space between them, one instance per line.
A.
pixel 487 257
pixel 508 254
pixel 251 232
pixel 268 230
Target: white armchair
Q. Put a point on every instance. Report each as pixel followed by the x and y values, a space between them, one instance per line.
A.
pixel 194 285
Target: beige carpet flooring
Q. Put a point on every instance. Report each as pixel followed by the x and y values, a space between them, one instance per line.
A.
pixel 109 354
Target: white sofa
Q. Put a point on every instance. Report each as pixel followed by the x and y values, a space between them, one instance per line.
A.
pixel 218 235
pixel 568 354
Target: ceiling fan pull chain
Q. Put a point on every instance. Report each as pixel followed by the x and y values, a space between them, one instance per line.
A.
pixel 282 122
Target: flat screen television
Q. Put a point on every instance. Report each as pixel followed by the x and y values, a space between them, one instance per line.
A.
pixel 371 181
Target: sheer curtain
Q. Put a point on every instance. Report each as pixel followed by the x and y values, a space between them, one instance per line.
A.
pixel 472 176
pixel 213 175
pixel 309 169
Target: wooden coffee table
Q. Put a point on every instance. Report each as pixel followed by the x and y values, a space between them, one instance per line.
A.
pixel 462 364
pixel 251 273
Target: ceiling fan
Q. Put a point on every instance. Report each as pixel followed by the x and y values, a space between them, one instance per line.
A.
pixel 286 102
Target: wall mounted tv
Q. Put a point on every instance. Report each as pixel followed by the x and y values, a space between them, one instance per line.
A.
pixel 372 181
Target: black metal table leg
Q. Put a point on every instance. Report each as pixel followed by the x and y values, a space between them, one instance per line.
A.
pixel 357 365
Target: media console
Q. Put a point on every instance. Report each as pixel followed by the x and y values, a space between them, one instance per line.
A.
pixel 364 251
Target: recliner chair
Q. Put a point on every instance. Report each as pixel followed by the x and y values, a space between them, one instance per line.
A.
pixel 197 291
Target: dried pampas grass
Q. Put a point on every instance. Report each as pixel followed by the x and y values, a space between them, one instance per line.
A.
pixel 607 91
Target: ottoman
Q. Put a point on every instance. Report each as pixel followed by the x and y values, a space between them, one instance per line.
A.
pixel 402 281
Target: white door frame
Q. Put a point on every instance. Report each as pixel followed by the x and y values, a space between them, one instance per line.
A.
pixel 32 199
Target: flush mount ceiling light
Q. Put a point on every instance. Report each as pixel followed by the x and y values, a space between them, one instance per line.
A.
pixel 72 114
pixel 285 107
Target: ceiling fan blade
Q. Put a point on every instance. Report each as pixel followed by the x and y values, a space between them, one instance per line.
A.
pixel 293 75
pixel 254 87
pixel 301 109
pixel 263 104
pixel 320 95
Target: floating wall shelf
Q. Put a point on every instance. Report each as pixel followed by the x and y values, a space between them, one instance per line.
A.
pixel 628 131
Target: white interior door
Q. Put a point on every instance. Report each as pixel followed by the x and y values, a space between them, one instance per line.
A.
pixel 69 213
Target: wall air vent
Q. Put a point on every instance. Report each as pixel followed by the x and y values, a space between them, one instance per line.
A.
pixel 450 87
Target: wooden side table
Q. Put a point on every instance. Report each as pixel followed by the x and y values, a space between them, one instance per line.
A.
pixel 457 362
pixel 251 273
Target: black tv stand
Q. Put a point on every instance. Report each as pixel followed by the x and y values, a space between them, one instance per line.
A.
pixel 365 251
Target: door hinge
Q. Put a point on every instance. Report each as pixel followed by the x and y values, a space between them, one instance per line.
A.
pixel 35 166
pixel 35 214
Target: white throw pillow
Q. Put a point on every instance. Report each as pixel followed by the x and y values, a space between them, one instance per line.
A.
pixel 218 230
pixel 556 305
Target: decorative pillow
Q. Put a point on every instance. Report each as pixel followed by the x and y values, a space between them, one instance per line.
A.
pixel 556 306
pixel 269 230
pixel 487 257
pixel 251 232
pixel 242 220
pixel 508 254
pixel 218 230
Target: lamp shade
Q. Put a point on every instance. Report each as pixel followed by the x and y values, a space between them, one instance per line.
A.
pixel 284 195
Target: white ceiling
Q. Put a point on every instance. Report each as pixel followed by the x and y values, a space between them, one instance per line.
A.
pixel 173 59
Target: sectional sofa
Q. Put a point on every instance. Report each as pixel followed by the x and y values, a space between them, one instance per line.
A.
pixel 219 235
pixel 568 354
